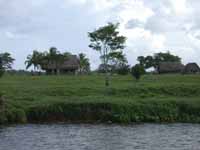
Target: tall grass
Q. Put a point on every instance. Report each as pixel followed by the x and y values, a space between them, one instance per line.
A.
pixel 165 98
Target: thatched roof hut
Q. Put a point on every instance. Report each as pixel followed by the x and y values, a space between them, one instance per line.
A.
pixel 170 67
pixel 191 68
pixel 70 64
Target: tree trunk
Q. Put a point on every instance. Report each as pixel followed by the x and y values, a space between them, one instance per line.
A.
pixel 107 80
pixel 57 71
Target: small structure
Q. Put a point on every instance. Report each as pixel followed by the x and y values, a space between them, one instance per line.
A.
pixel 191 68
pixel 70 65
pixel 170 67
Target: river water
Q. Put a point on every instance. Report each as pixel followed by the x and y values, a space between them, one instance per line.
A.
pixel 101 137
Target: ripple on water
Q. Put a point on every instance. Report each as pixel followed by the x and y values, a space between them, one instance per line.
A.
pixel 104 137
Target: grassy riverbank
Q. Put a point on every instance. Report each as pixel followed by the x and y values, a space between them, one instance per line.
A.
pixel 157 98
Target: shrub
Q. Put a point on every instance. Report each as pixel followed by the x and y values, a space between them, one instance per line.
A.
pixel 137 71
pixel 123 70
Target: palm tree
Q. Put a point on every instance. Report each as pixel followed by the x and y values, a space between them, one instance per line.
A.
pixel 34 60
pixel 54 57
pixel 51 58
pixel 84 63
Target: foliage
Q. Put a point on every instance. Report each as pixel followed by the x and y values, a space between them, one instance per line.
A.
pixel 107 41
pixel 38 59
pixel 84 64
pixel 137 71
pixel 6 62
pixel 118 63
pixel 55 57
pixel 123 69
pixel 34 59
pixel 156 59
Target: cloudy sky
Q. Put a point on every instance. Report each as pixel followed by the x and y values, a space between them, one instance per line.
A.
pixel 150 26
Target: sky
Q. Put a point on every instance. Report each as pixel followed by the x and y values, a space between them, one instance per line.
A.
pixel 150 27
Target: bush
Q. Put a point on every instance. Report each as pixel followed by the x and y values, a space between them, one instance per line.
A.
pixel 137 71
pixel 123 70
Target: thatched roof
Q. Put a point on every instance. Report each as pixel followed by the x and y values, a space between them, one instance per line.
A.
pixel 191 68
pixel 170 67
pixel 72 62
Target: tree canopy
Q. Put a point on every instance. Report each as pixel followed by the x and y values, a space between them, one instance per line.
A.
pixel 53 56
pixel 35 60
pixel 109 43
pixel 84 63
pixel 137 71
pixel 6 62
pixel 156 59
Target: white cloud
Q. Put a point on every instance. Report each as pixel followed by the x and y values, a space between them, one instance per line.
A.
pixel 179 6
pixel 9 35
pixel 150 26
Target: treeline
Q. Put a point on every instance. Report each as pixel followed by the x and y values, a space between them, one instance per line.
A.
pixel 154 61
pixel 109 43
pixel 55 57
pixel 118 62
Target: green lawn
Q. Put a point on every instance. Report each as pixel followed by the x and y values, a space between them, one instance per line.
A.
pixel 160 98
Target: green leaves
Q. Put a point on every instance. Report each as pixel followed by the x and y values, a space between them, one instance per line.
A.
pixel 107 36
pixel 35 59
pixel 108 42
pixel 137 71
pixel 156 59
pixel 6 60
pixel 84 64
pixel 39 59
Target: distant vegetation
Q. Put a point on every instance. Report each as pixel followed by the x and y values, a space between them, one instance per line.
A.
pixel 137 71
pixel 55 58
pixel 6 62
pixel 83 96
pixel 156 59
pixel 84 64
pixel 38 59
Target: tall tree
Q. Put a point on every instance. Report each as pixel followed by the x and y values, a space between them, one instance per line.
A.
pixel 56 58
pixel 35 60
pixel 6 60
pixel 84 63
pixel 106 40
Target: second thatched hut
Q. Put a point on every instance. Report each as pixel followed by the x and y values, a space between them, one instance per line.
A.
pixel 191 68
pixel 170 67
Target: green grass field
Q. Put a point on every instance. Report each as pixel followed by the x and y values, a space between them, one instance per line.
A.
pixel 156 98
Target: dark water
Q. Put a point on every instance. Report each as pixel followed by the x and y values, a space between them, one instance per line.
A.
pixel 101 137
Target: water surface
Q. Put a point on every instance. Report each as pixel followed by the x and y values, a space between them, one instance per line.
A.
pixel 101 137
